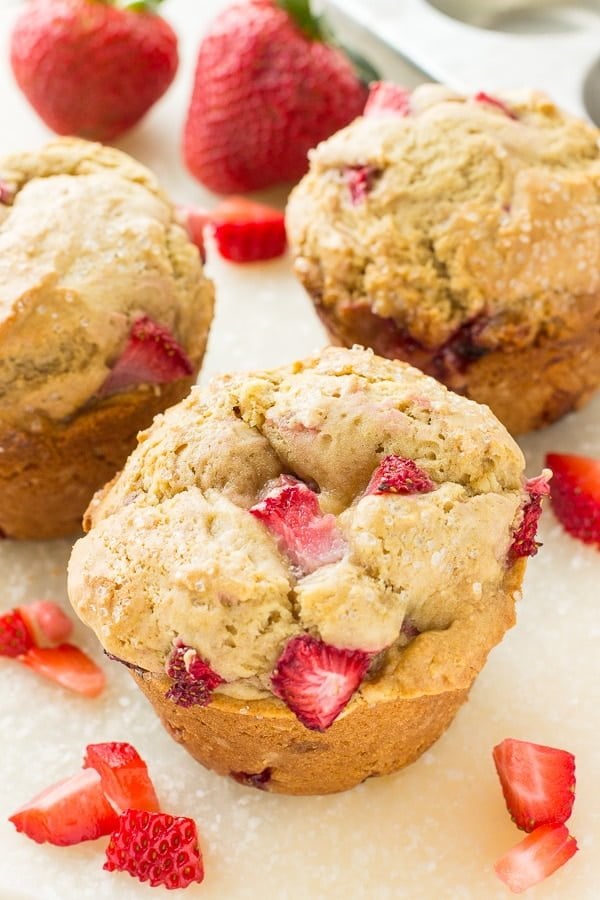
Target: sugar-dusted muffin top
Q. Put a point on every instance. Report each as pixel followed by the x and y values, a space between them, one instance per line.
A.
pixel 345 497
pixel 88 245
pixel 457 211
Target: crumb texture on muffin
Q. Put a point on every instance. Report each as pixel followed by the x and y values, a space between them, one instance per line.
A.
pixel 418 581
pixel 468 217
pixel 88 243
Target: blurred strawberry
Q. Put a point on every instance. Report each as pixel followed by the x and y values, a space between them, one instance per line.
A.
pixel 269 85
pixel 90 68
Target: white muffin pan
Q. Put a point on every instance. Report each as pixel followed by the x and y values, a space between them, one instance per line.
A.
pixel 495 44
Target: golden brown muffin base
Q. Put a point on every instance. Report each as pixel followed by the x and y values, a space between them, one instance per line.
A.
pixel 526 388
pixel 262 744
pixel 48 477
pixel 245 738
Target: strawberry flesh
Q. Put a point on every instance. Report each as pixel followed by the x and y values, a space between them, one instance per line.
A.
pixel 399 475
pixel 482 97
pixel 47 623
pixel 291 512
pixel 524 542
pixel 576 495
pixel 194 220
pixel 150 356
pixel 7 193
pixel 536 857
pixel 68 666
pixel 360 181
pixel 316 680
pixel 193 679
pixel 156 847
pixel 538 782
pixel 124 775
pixel 15 636
pixel 247 232
pixel 385 97
pixel 69 812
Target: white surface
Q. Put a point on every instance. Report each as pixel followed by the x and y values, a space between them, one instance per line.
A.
pixel 472 59
pixel 431 832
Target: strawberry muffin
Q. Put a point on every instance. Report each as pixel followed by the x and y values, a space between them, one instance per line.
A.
pixel 461 234
pixel 306 568
pixel 104 317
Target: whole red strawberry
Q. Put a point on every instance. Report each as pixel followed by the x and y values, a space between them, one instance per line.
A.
pixel 268 87
pixel 89 68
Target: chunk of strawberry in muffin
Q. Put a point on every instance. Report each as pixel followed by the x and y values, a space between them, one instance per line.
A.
pixel 386 97
pixel 150 356
pixel 291 512
pixel 538 782
pixel 524 542
pixel 316 680
pixel 360 180
pixel 398 475
pixel 74 810
pixel 193 679
pixel 483 97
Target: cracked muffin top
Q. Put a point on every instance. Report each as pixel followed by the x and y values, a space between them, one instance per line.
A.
pixel 89 249
pixel 345 502
pixel 450 211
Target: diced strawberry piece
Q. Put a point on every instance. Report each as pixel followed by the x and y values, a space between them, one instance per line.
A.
pixel 536 857
pixel 15 637
pixel 194 220
pixel 69 812
pixel 258 780
pixel 150 356
pixel 193 679
pixel 398 475
pixel 524 542
pixel 292 514
pixel 157 848
pixel 68 666
pixel 124 774
pixel 7 193
pixel 482 97
pixel 316 680
pixel 360 181
pixel 246 231
pixel 576 495
pixel 386 97
pixel 47 623
pixel 538 782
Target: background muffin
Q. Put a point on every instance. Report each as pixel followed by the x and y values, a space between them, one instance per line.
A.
pixel 104 317
pixel 462 234
pixel 307 567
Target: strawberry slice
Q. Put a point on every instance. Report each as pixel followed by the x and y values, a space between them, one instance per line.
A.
pixel 536 857
pixel 69 812
pixel 124 775
pixel 47 623
pixel 316 680
pixel 194 219
pixel 482 97
pixel 150 356
pixel 386 97
pixel 15 637
pixel 246 231
pixel 524 542
pixel 291 512
pixel 576 495
pixel 538 782
pixel 7 193
pixel 156 847
pixel 68 666
pixel 398 475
